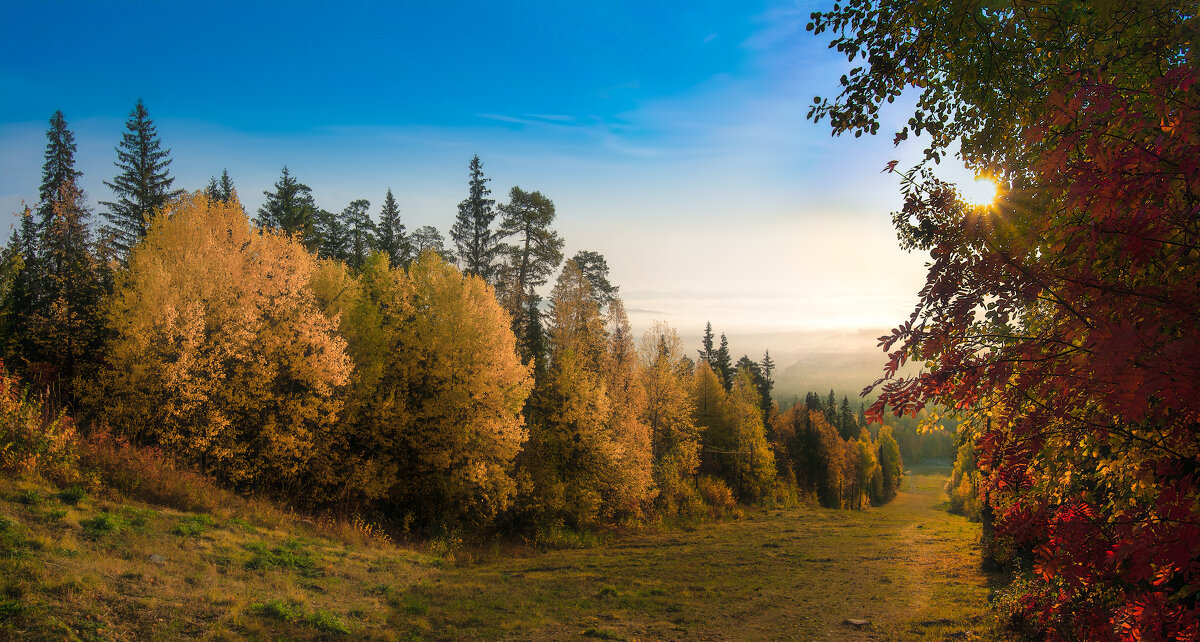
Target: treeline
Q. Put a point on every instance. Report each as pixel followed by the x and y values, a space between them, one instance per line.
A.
pixel 347 364
pixel 920 436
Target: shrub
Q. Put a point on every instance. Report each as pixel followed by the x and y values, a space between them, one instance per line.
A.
pixel 72 495
pixel 33 439
pixel 101 525
pixel 716 495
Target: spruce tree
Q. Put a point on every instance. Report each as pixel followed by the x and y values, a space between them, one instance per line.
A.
pixel 65 324
pixel 847 425
pixel 221 190
pixel 707 351
pixel 391 238
pixel 830 409
pixel 291 209
pixel 474 241
pixel 20 294
pixel 143 185
pixel 723 366
pixel 767 385
pixel 59 168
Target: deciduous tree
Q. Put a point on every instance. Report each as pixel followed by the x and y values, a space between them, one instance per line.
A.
pixel 1061 323
pixel 218 351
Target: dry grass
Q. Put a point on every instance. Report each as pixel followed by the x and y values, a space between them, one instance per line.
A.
pixel 127 570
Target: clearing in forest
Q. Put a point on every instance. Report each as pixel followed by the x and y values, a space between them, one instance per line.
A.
pixel 73 566
pixel 908 567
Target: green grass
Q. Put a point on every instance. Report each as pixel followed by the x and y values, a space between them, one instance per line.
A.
pixel 117 569
pixel 908 567
pixel 193 525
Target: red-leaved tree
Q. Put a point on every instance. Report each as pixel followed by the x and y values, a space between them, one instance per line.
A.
pixel 1063 322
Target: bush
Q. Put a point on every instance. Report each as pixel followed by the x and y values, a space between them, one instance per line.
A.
pixel 72 495
pixel 101 525
pixel 34 441
pixel 147 474
pixel 717 496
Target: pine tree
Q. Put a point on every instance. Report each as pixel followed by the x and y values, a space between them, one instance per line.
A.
pixel 59 168
pixel 391 239
pixel 474 240
pixel 291 209
pixel 595 268
pixel 723 366
pixel 428 238
pixel 143 185
pixel 830 409
pixel 707 352
pixel 531 255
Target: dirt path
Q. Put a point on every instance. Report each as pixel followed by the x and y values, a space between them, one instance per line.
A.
pixel 908 567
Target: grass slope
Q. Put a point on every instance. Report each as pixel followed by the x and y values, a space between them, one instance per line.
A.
pixel 100 569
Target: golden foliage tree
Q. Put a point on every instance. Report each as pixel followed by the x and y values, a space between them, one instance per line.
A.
pixel 573 454
pixel 751 469
pixel 438 390
pixel 218 351
pixel 627 401
pixel 674 437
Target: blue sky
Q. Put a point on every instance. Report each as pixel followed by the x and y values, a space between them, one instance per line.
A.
pixel 671 136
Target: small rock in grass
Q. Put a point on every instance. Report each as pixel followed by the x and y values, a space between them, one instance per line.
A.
pixel 857 623
pixel 157 559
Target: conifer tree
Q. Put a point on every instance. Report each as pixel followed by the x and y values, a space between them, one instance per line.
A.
pixel 65 323
pixel 20 294
pixel 391 238
pixel 59 168
pixel 331 235
pixel 830 409
pixel 220 190
pixel 595 268
pixel 474 241
pixel 360 232
pixel 143 185
pixel 428 238
pixel 707 352
pixel 723 365
pixel 767 385
pixel 290 209
pixel 531 250
pixel 847 426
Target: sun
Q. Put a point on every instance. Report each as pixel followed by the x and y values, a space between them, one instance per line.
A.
pixel 981 193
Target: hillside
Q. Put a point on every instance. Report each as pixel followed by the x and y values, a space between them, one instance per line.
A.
pixel 82 567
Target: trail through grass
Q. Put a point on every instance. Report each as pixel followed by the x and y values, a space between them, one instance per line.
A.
pixel 909 568
pixel 78 567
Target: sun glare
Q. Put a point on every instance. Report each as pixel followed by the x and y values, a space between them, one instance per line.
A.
pixel 980 193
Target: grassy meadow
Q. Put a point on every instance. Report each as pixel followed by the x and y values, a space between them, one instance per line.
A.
pixel 80 567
